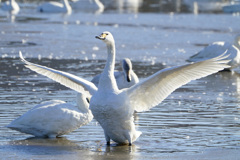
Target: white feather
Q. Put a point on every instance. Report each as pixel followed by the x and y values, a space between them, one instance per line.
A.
pixel 154 89
pixel 53 118
pixel 217 48
pixel 114 108
pixel 71 81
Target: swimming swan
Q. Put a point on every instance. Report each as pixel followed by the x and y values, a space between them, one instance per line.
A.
pixel 125 78
pixel 10 6
pixel 88 5
pixel 53 118
pixel 216 48
pixel 55 7
pixel 114 108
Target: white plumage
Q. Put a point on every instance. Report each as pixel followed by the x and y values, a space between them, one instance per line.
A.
pixel 88 5
pixel 217 48
pixel 53 118
pixel 55 7
pixel 125 78
pixel 44 120
pixel 10 6
pixel 114 108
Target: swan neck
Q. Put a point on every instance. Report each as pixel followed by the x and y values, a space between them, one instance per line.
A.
pixel 107 80
pixel 65 3
pixel 82 105
pixel 100 5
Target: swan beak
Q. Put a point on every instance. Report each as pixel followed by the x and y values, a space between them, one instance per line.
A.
pixel 128 76
pixel 102 36
pixel 88 100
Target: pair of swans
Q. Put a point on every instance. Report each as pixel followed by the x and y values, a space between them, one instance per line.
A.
pixel 112 107
pixel 10 6
pixel 216 48
pixel 55 118
pixel 65 7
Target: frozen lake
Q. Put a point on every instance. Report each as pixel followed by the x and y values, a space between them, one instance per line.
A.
pixel 198 121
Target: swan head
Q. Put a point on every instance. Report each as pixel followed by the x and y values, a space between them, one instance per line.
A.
pixel 83 102
pixel 106 37
pixel 127 67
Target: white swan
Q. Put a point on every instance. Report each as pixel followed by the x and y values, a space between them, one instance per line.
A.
pixel 114 108
pixel 53 118
pixel 125 78
pixel 10 6
pixel 88 5
pixel 216 48
pixel 55 7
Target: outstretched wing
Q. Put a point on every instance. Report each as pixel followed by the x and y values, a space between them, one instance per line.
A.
pixel 153 90
pixel 71 81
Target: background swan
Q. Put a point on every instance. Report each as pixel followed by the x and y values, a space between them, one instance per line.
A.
pixel 53 118
pixel 216 48
pixel 114 108
pixel 10 6
pixel 55 7
pixel 88 5
pixel 125 78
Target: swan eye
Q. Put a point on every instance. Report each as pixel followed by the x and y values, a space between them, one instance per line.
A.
pixel 104 35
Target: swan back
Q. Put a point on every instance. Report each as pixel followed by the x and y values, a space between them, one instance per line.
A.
pixel 90 5
pixel 215 49
pixel 55 7
pixel 51 119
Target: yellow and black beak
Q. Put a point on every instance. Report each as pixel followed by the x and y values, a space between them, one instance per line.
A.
pixel 102 36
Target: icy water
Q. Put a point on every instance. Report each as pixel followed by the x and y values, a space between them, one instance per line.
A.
pixel 200 120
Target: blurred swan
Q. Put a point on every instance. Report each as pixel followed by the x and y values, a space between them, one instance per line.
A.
pixel 55 7
pixel 88 5
pixel 125 78
pixel 216 48
pixel 114 108
pixel 10 6
pixel 124 5
pixel 54 118
pixel 205 5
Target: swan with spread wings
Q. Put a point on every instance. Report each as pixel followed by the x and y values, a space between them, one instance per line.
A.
pixel 113 108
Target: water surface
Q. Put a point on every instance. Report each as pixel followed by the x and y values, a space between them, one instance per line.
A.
pixel 199 120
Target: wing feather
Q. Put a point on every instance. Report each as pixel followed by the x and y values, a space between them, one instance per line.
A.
pixel 153 90
pixel 71 81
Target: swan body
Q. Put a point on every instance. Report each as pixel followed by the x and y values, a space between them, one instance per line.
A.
pixel 55 7
pixel 125 78
pixel 88 5
pixel 11 6
pixel 53 118
pixel 216 48
pixel 113 108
